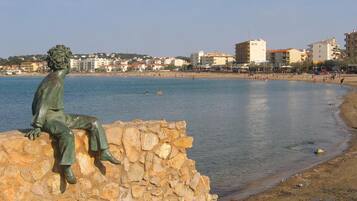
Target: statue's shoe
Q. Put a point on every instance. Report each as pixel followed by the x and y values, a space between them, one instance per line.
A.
pixel 105 155
pixel 69 175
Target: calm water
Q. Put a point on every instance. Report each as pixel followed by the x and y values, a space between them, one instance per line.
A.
pixel 243 130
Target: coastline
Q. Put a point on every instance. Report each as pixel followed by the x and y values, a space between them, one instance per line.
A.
pixel 334 179
pixel 330 179
pixel 349 79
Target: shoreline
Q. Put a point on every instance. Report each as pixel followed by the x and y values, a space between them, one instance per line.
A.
pixel 332 179
pixel 320 180
pixel 256 188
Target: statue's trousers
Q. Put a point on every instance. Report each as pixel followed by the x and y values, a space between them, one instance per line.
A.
pixel 59 126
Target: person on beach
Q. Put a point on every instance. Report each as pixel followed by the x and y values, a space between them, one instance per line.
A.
pixel 48 116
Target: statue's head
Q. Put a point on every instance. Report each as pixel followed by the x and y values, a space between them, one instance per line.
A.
pixel 58 58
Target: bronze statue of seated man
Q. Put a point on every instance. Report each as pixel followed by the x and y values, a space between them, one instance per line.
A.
pixel 48 115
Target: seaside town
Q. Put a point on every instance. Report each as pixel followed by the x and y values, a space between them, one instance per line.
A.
pixel 252 56
pixel 229 100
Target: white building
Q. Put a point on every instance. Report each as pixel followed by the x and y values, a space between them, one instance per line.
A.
pixel 324 50
pixel 178 62
pixel 167 60
pixel 75 63
pixel 251 51
pixel 196 58
pixel 91 64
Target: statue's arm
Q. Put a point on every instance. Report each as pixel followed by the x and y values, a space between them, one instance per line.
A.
pixel 37 123
pixel 39 117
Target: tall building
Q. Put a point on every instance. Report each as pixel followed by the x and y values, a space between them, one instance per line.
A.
pixel 216 59
pixel 284 57
pixel 252 51
pixel 351 44
pixel 196 58
pixel 325 50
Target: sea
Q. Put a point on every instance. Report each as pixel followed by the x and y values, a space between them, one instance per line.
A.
pixel 244 130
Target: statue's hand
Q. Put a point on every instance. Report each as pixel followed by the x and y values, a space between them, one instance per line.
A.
pixel 33 134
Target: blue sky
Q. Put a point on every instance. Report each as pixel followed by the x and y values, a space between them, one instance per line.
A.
pixel 168 27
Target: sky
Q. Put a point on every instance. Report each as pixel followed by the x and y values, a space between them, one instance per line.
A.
pixel 169 27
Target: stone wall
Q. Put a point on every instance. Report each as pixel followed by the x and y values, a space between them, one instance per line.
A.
pixel 154 166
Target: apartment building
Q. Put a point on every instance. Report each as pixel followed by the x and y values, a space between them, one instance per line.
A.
pixel 325 50
pixel 351 43
pixel 196 58
pixel 75 64
pixel 252 51
pixel 285 57
pixel 216 59
pixel 89 64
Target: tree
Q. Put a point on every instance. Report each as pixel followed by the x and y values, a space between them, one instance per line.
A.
pixel 302 67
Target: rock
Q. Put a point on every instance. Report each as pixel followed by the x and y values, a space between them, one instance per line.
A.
pixel 131 142
pixel 125 195
pixel 142 157
pixel 32 149
pixel 300 185
pixel 41 169
pixel 85 184
pixel 26 174
pixel 156 192
pixel 126 164
pixel 3 157
pixel 148 141
pixel 149 160
pixel 177 161
pixel 136 172
pixel 155 128
pixel 38 189
pixel 213 197
pixel 181 125
pixel 114 134
pixel 137 191
pixel 154 166
pixel 54 183
pixel 110 191
pixel 174 152
pixel 319 151
pixel 182 191
pixel 185 174
pixel 184 142
pixel 164 151
pixel 98 178
pixel 85 164
pixel 195 180
pixel 203 184
pixel 162 135
pixel 157 165
pixel 171 125
pixel 172 134
pixel 155 180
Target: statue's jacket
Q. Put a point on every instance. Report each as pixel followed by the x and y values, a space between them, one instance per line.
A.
pixel 48 97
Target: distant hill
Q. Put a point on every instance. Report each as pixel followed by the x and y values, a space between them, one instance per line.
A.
pixel 16 60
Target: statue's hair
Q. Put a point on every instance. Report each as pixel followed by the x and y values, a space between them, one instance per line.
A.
pixel 58 57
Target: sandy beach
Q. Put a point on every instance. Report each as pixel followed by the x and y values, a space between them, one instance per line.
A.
pixel 335 179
